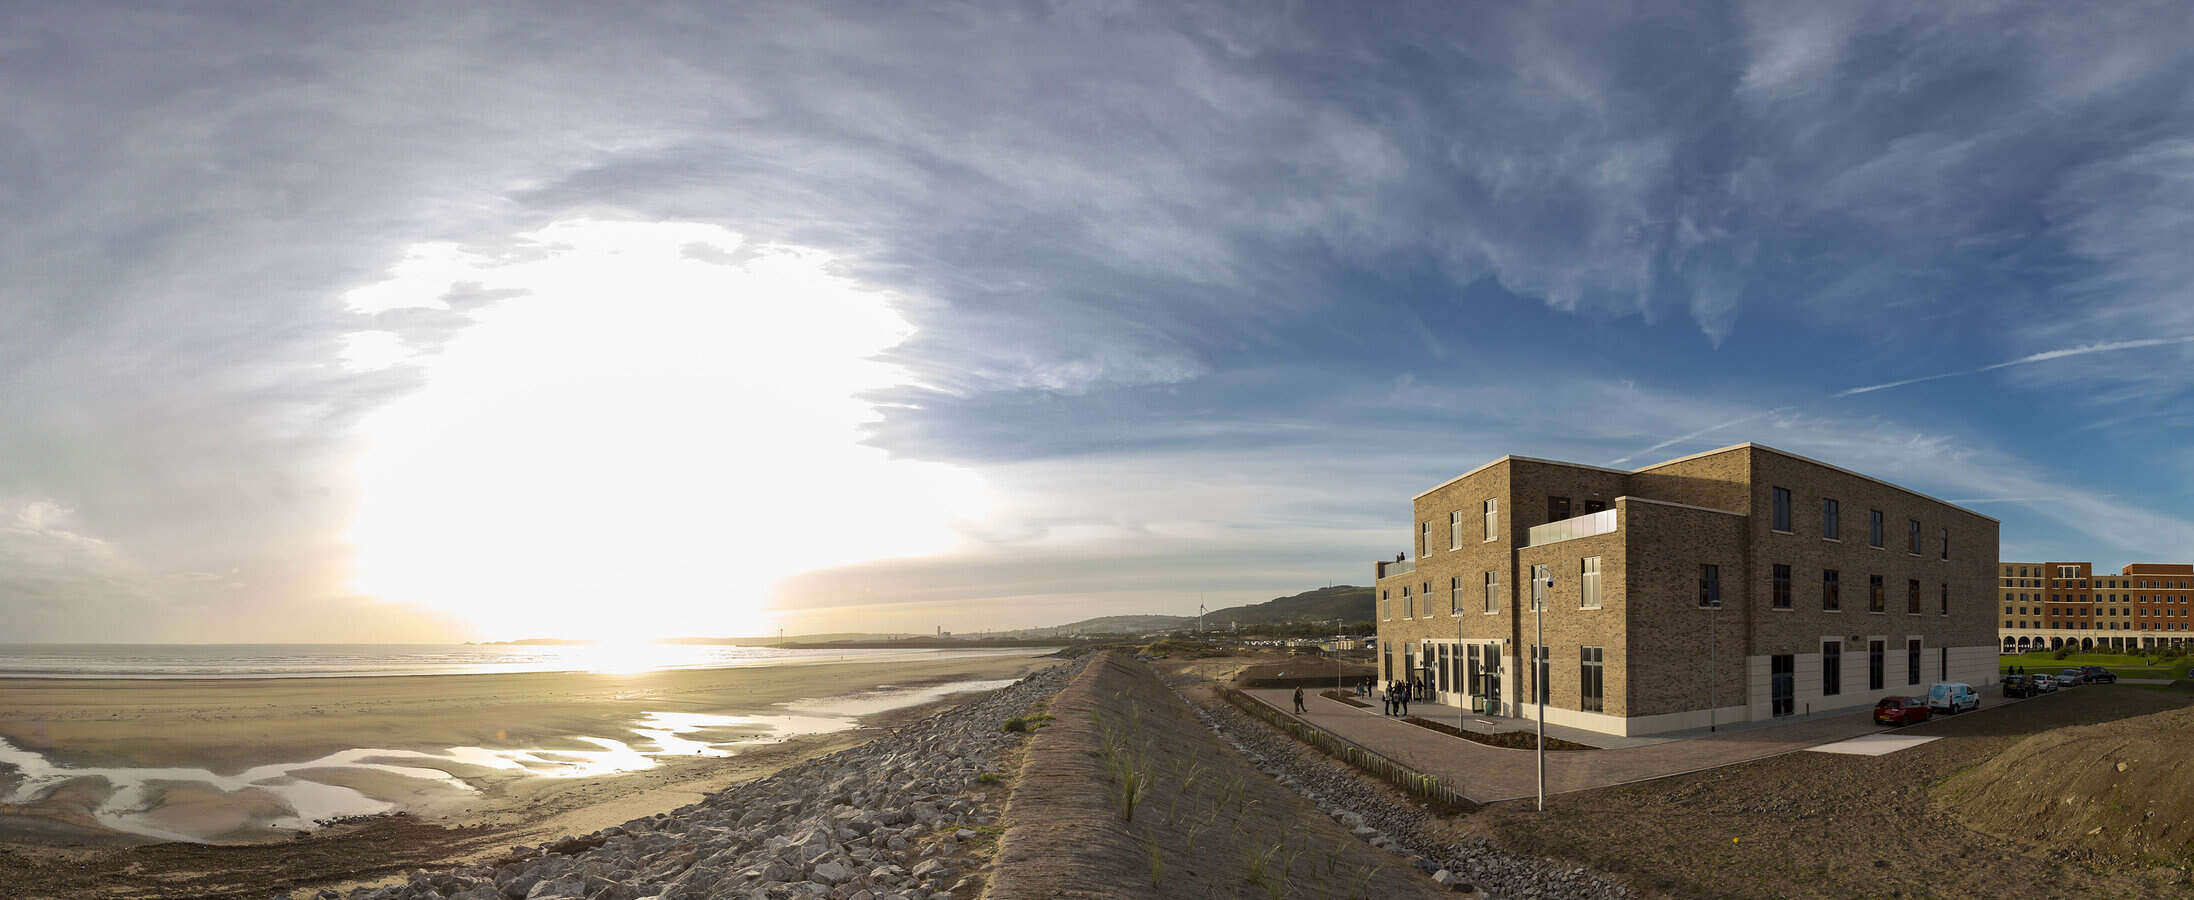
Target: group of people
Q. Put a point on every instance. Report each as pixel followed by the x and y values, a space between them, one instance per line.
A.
pixel 1396 695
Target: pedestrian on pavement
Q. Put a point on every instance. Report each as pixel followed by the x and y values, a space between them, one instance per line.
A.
pixel 1405 700
pixel 1298 700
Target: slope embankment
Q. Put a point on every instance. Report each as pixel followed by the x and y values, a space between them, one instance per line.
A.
pixel 1127 793
pixel 2117 789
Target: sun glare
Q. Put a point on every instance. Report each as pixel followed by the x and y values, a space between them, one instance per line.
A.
pixel 657 423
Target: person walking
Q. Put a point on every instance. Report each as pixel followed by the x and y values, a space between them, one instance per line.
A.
pixel 1388 698
pixel 1298 699
pixel 1406 687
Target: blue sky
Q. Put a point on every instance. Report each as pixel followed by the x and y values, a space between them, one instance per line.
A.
pixel 1192 296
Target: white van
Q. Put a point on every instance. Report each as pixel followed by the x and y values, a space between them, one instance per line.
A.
pixel 1952 697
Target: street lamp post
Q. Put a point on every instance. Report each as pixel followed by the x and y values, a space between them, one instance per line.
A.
pixel 1542 584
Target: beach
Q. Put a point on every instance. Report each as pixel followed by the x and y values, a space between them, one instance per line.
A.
pixel 472 761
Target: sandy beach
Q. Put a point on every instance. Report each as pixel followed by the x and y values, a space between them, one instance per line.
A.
pixel 541 761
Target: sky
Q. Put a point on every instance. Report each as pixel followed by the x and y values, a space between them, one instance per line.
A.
pixel 390 322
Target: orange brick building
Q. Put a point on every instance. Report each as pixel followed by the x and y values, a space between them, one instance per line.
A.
pixel 2046 605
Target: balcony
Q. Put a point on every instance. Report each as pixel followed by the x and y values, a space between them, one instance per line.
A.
pixel 1587 525
pixel 1388 567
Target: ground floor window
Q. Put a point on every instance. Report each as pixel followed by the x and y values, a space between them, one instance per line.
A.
pixel 1539 675
pixel 1387 659
pixel 1874 665
pixel 1588 678
pixel 1912 660
pixel 1943 657
pixel 1781 668
pixel 1832 668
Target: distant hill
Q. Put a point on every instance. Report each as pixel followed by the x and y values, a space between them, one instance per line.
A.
pixel 1347 601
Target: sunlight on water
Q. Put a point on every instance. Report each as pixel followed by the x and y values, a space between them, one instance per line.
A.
pixel 140 801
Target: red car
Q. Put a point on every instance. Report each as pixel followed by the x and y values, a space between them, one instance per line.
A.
pixel 1901 710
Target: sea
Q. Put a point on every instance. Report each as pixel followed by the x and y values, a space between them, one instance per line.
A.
pixel 179 661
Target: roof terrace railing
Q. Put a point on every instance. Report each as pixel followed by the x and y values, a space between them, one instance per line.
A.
pixel 1388 567
pixel 1587 525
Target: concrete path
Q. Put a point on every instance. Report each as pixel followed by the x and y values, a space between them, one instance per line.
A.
pixel 1874 744
pixel 1486 774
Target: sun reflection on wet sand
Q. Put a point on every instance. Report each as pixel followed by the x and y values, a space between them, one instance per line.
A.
pixel 281 796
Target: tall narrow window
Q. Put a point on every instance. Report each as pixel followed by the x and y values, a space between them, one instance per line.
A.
pixel 1945 600
pixel 1409 605
pixel 1710 585
pixel 1386 604
pixel 1588 583
pixel 1912 596
pixel 1782 586
pixel 1557 508
pixel 1912 661
pixel 1540 675
pixel 1832 668
pixel 1493 591
pixel 1912 536
pixel 1874 665
pixel 1832 591
pixel 1945 554
pixel 1589 685
pixel 1538 587
pixel 1493 519
pixel 1831 520
pixel 1782 510
pixel 1425 532
pixel 1875 601
pixel 1874 528
pixel 1455 595
pixel 1455 530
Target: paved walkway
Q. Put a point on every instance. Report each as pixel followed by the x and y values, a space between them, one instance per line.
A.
pixel 1486 774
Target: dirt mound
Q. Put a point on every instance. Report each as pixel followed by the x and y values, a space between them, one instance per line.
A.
pixel 2118 789
pixel 1128 794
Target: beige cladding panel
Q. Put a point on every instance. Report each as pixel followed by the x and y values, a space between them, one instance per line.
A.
pixel 1569 627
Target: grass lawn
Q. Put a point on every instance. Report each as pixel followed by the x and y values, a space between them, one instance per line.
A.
pixel 2126 665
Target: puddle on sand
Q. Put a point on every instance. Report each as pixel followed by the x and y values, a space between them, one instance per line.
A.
pixel 139 799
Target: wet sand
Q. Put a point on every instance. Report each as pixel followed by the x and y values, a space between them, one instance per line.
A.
pixel 528 726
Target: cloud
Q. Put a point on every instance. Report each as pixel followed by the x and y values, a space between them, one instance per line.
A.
pixel 2029 359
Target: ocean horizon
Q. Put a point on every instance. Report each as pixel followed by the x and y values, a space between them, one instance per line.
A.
pixel 195 661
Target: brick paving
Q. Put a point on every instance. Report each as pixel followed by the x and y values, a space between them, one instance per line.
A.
pixel 1487 774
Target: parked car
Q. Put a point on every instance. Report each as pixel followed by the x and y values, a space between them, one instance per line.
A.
pixel 2045 682
pixel 1900 710
pixel 2071 678
pixel 2021 686
pixel 1952 697
pixel 2099 675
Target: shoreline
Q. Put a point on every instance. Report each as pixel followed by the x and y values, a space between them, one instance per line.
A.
pixel 536 722
pixel 816 655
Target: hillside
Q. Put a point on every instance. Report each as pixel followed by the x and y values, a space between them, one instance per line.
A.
pixel 1347 602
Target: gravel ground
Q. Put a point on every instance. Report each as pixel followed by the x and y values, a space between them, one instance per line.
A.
pixel 1393 821
pixel 908 815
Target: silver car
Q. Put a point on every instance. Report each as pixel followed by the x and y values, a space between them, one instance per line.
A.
pixel 2045 683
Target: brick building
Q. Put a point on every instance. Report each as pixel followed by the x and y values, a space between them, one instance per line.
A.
pixel 1737 584
pixel 2048 604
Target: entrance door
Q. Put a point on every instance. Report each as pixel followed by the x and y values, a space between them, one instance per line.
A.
pixel 1493 683
pixel 1782 690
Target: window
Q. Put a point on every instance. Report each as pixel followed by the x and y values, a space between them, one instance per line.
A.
pixel 1455 596
pixel 1874 528
pixel 1873 665
pixel 1493 519
pixel 1832 591
pixel 1782 509
pixel 1593 506
pixel 1557 508
pixel 1831 520
pixel 1493 591
pixel 1540 674
pixel 1455 530
pixel 1945 554
pixel 1424 531
pixel 1590 666
pixel 1875 601
pixel 1942 661
pixel 1409 605
pixel 1912 596
pixel 1945 600
pixel 1782 586
pixel 1386 605
pixel 1912 536
pixel 1539 577
pixel 1710 586
pixel 1588 583
pixel 1832 668
pixel 1912 661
